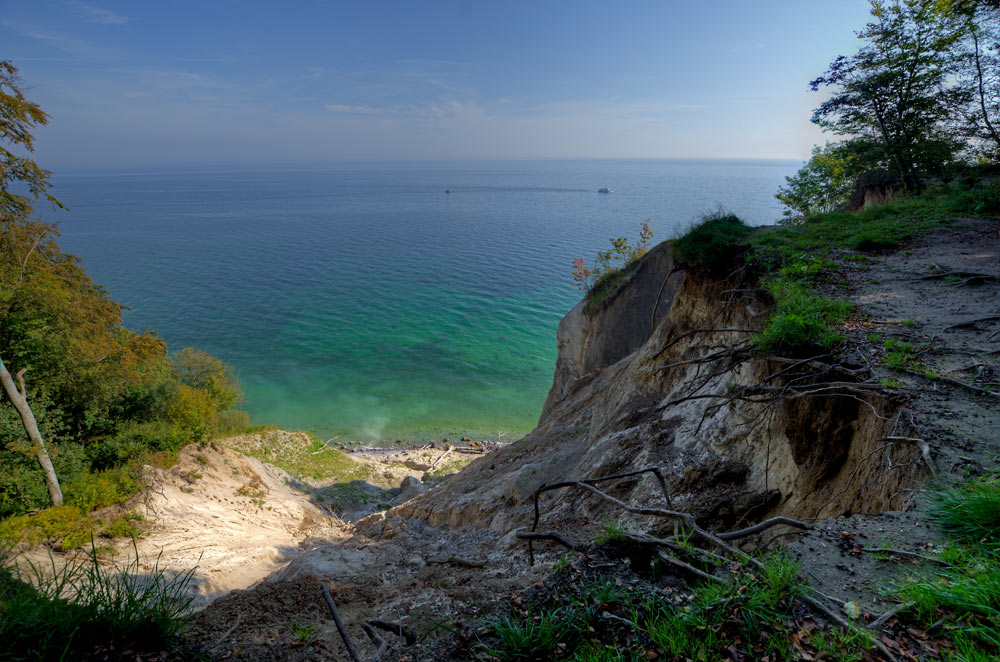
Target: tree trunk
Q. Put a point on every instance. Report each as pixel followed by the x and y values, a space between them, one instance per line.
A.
pixel 20 402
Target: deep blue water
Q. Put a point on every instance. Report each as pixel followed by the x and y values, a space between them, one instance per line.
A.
pixel 361 300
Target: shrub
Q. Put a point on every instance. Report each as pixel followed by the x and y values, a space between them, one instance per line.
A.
pixel 611 265
pixel 713 244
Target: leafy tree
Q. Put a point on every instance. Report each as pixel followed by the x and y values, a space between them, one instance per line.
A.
pixel 893 91
pixel 18 117
pixel 976 64
pixel 100 394
pixel 826 181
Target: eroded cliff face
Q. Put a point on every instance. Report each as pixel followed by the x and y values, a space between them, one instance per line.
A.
pixel 648 377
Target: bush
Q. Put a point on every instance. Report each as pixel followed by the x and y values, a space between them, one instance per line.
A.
pixel 612 265
pixel 713 244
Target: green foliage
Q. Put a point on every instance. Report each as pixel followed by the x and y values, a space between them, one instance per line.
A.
pixel 536 639
pixel 611 266
pixel 63 613
pixel 611 532
pixel 890 92
pixel 826 181
pixel 713 243
pixel 970 514
pixel 749 616
pixel 802 321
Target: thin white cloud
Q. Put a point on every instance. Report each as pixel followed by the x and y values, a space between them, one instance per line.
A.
pixel 97 14
pixel 355 110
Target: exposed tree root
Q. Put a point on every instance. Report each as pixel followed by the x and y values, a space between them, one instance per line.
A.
pixel 351 650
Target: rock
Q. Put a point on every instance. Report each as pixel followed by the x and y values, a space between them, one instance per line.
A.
pixel 416 466
pixel 410 487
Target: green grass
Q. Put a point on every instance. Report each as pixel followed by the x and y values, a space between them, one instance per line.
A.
pixel 751 614
pixel 536 638
pixel 713 244
pixel 302 459
pixel 611 532
pixel 802 321
pixel 962 599
pixel 610 282
pixel 52 613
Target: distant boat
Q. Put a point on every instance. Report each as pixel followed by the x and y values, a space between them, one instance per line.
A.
pixel 604 189
pixel 447 191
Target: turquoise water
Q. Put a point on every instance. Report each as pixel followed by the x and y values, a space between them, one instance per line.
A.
pixel 361 300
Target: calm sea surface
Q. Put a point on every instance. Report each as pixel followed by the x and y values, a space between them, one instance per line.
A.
pixel 362 300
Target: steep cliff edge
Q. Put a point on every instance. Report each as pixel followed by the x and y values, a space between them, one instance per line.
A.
pixel 662 373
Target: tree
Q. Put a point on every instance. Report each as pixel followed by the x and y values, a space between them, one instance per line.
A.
pixel 976 64
pixel 893 91
pixel 826 182
pixel 18 117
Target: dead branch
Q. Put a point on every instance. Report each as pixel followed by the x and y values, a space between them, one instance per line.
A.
pixel 763 526
pixel 881 620
pixel 899 552
pixel 925 450
pixel 378 640
pixel 970 275
pixel 971 323
pixel 548 535
pixel 732 352
pixel 440 457
pixel 687 567
pixel 327 443
pixel 459 561
pixel 846 625
pixel 232 628
pixel 949 380
pixel 339 623
pixel 396 628
pixel 680 337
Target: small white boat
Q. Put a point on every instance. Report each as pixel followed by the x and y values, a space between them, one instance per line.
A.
pixel 604 189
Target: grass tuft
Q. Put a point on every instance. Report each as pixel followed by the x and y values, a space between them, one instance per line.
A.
pixel 713 243
pixel 70 613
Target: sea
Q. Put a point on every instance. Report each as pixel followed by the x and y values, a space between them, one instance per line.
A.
pixel 372 301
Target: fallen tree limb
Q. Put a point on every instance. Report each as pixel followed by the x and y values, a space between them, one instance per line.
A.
pixel 881 620
pixel 949 380
pixel 677 339
pixel 440 457
pixel 457 560
pixel 971 275
pixel 399 629
pixel 900 552
pixel 378 640
pixel 763 526
pixel 548 535
pixel 925 450
pixel 969 323
pixel 339 623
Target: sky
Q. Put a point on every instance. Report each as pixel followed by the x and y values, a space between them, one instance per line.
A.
pixel 248 82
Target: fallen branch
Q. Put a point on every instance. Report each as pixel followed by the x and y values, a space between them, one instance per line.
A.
pixel 325 444
pixel 396 628
pixel 846 625
pixel 440 457
pixel 763 526
pixel 925 450
pixel 881 620
pixel 339 623
pixel 970 323
pixel 547 535
pixel 949 380
pixel 970 275
pixel 677 339
pixel 232 628
pixel 687 567
pixel 899 552
pixel 378 640
pixel 456 560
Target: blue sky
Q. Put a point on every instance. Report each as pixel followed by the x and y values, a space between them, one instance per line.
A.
pixel 226 81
